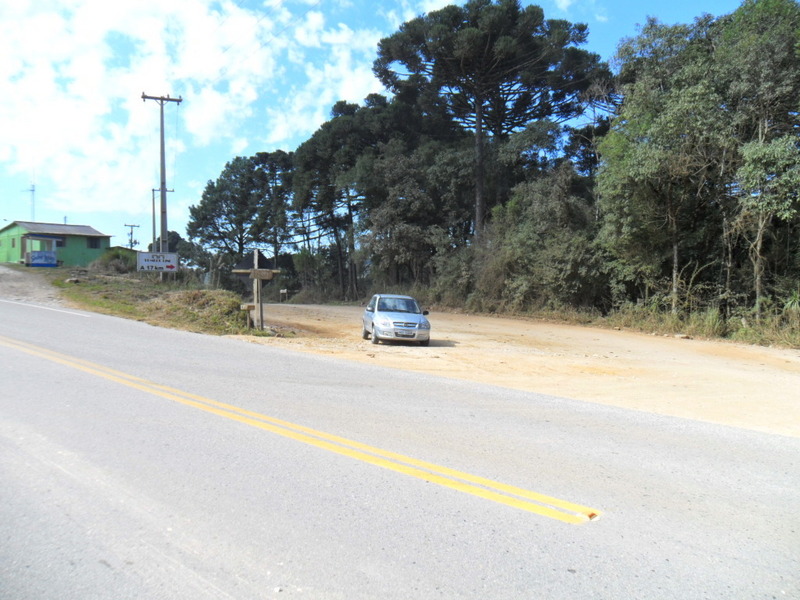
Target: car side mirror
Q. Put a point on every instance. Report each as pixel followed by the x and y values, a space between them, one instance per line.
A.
pixel 424 312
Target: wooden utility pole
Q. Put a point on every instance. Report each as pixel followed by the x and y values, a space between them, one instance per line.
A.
pixel 131 241
pixel 161 101
pixel 153 246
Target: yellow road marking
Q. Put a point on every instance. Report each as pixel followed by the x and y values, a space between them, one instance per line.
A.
pixel 502 493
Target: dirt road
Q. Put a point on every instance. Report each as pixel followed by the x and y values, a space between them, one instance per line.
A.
pixel 731 384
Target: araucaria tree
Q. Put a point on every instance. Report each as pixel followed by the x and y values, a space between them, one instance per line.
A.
pixel 495 65
pixel 245 207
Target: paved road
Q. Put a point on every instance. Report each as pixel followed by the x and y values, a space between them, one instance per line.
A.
pixel 139 462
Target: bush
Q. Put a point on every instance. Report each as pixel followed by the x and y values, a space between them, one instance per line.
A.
pixel 115 260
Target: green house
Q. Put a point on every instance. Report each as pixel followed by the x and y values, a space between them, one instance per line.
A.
pixel 51 244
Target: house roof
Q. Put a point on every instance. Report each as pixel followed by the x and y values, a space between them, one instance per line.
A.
pixel 58 229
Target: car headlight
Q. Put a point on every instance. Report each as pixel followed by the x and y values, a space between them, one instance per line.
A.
pixel 424 324
pixel 383 322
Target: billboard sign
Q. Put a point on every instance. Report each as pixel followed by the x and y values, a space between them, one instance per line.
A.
pixel 42 258
pixel 157 261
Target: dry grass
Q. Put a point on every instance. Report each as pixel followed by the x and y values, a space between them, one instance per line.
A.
pixel 145 298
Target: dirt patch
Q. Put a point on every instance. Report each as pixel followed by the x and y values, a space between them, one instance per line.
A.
pixel 731 384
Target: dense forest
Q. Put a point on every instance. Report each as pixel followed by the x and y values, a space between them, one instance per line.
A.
pixel 508 169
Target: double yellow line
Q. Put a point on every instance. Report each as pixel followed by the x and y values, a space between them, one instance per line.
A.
pixel 502 493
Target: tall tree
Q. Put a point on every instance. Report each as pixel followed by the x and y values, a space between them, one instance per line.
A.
pixel 770 181
pixel 273 187
pixel 325 186
pixel 758 59
pixel 337 183
pixel 423 204
pixel 709 113
pixel 226 219
pixel 496 67
pixel 663 156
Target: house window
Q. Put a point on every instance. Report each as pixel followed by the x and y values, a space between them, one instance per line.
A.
pixel 60 242
pixel 13 242
pixel 93 243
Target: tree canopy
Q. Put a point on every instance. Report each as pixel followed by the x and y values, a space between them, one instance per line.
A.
pixel 495 66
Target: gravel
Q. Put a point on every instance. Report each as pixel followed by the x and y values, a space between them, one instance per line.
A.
pixel 26 285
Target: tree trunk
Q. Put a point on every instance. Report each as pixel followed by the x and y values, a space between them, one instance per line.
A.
pixel 675 273
pixel 340 258
pixel 672 219
pixel 352 272
pixel 480 201
pixel 727 239
pixel 757 258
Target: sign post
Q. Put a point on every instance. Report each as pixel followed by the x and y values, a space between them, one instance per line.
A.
pixel 258 276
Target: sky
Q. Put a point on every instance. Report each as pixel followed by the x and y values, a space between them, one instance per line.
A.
pixel 78 144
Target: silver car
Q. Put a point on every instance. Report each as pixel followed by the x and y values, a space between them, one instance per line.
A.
pixel 394 317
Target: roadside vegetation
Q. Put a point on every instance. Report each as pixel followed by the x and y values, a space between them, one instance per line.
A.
pixel 180 302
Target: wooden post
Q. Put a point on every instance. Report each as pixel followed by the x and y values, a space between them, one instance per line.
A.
pixel 258 276
pixel 257 292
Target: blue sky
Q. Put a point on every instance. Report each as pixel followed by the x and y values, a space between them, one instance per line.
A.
pixel 254 75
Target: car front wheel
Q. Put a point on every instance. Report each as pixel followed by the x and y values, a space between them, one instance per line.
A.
pixel 374 335
pixel 364 333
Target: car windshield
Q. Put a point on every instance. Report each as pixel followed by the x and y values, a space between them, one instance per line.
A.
pixel 402 305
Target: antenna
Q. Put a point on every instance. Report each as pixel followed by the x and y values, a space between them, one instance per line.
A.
pixel 32 190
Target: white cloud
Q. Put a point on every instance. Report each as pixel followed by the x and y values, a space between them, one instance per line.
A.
pixel 340 70
pixel 309 33
pixel 407 10
pixel 583 9
pixel 564 4
pixel 428 5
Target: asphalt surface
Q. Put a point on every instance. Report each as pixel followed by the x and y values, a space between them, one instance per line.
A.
pixel 139 462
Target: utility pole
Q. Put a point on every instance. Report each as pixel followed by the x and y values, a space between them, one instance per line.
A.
pixel 131 241
pixel 153 247
pixel 161 101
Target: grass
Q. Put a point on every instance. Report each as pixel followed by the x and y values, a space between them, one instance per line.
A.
pixel 176 304
pixel 777 328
